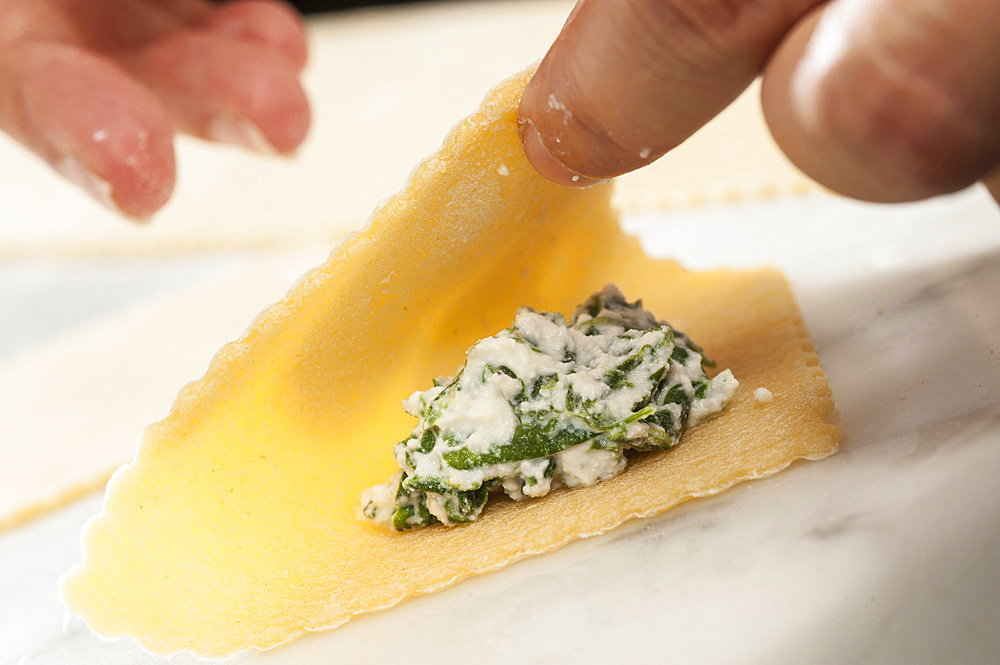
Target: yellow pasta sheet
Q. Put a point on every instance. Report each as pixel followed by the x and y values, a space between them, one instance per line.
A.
pixel 236 524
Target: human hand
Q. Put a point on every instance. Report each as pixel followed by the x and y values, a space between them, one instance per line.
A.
pixel 882 100
pixel 97 88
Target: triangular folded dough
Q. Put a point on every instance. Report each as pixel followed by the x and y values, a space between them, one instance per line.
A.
pixel 236 525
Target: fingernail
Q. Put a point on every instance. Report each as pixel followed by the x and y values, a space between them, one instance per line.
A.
pixel 237 130
pixel 78 172
pixel 545 163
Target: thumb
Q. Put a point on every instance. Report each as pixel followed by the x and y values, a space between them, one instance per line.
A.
pixel 627 80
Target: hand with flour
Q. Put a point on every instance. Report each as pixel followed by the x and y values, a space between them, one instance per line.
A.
pixel 882 100
pixel 98 88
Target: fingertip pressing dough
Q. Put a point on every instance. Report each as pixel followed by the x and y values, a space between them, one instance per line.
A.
pixel 236 525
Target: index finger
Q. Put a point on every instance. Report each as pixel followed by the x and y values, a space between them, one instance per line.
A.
pixel 627 80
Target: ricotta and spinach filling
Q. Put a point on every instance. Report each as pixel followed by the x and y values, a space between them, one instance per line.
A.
pixel 545 404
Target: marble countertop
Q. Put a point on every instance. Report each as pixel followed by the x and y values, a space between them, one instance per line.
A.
pixel 888 552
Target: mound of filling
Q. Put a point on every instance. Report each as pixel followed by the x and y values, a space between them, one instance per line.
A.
pixel 545 404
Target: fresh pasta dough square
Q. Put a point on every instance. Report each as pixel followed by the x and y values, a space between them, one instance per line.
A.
pixel 236 525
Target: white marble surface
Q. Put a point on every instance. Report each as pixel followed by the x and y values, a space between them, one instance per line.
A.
pixel 888 552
